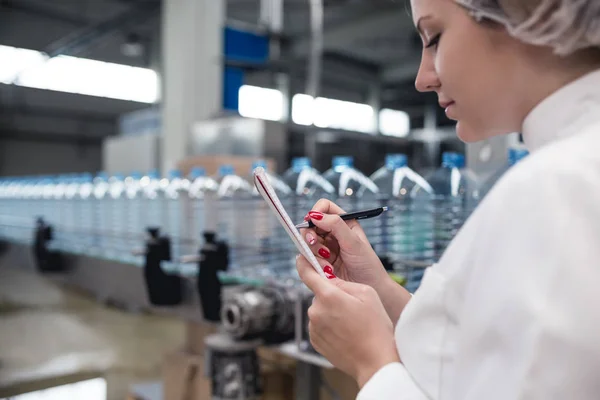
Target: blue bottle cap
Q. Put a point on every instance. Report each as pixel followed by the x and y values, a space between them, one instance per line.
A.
pixel 516 155
pixel 175 174
pixel 197 172
pixel 225 170
pixel 453 160
pixel 395 161
pixel 136 175
pixel 259 163
pixel 300 163
pixel 342 161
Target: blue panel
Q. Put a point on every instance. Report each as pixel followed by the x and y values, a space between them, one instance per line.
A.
pixel 245 46
pixel 233 80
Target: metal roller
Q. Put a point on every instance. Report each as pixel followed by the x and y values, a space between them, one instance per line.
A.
pixel 266 312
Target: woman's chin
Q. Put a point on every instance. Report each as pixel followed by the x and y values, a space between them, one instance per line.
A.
pixel 469 134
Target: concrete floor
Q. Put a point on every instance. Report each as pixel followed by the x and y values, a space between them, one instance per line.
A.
pixel 50 335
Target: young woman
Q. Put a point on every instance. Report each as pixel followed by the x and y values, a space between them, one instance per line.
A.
pixel 511 311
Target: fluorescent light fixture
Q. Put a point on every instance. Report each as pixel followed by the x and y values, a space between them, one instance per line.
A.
pixel 330 113
pixel 261 103
pixel 34 69
pixel 394 123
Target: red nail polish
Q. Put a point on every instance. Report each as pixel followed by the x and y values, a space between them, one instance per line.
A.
pixel 323 252
pixel 315 215
pixel 329 272
pixel 306 217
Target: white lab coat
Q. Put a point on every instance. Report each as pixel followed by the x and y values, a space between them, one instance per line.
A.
pixel 512 310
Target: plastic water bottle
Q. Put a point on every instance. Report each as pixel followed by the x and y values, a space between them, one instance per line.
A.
pixel 62 217
pixel 38 205
pixel 48 210
pixel 456 194
pixel 201 207
pixel 134 229
pixel 346 180
pixel 353 190
pixel 151 201
pixel 82 212
pixel 396 181
pixel 2 208
pixel 176 194
pixel 118 220
pixel 101 215
pixel 308 186
pixel 234 195
pixel 72 217
pixel 514 156
pixel 269 238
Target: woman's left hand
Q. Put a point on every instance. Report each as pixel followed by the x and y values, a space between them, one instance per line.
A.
pixel 348 325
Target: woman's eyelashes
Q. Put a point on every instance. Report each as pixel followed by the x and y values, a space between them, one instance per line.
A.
pixel 434 42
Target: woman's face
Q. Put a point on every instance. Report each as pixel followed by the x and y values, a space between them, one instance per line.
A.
pixel 473 67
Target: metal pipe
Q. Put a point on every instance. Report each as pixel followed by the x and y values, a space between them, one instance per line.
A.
pixel 315 59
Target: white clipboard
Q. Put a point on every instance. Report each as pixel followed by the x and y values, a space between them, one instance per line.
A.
pixel 261 181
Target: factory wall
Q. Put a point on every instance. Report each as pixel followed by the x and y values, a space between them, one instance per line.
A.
pixel 25 157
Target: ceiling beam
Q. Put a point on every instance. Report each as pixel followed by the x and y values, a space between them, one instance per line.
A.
pixel 82 39
pixel 344 34
pixel 45 11
pixel 402 72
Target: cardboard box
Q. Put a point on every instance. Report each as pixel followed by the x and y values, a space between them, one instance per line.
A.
pixel 195 333
pixel 242 164
pixel 183 378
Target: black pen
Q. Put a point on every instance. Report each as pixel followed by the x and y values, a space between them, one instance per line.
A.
pixel 357 215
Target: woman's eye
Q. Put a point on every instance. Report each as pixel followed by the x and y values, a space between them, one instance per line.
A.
pixel 434 41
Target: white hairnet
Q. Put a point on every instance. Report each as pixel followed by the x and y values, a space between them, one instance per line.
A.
pixel 564 25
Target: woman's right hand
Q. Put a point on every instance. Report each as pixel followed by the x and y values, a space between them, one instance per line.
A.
pixel 344 245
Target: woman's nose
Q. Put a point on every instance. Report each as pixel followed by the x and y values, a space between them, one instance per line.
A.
pixel 427 77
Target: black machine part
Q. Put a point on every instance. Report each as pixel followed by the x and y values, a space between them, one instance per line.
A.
pixel 265 312
pixel 233 368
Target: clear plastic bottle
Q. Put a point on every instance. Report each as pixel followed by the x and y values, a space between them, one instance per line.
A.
pixel 394 233
pixel 308 186
pixel 176 194
pixel 118 221
pixel 456 194
pixel 49 209
pixel 72 217
pixel 84 214
pixel 134 227
pixel 62 217
pixel 101 215
pixel 3 208
pixel 201 207
pixel 274 249
pixel 514 156
pixel 152 201
pixel 24 204
pixel 353 190
pixel 234 197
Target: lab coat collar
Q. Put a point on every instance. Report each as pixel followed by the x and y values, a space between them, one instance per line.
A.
pixel 564 113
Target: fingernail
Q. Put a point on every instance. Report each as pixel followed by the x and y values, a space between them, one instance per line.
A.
pixel 306 217
pixel 315 215
pixel 311 239
pixel 329 272
pixel 323 252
